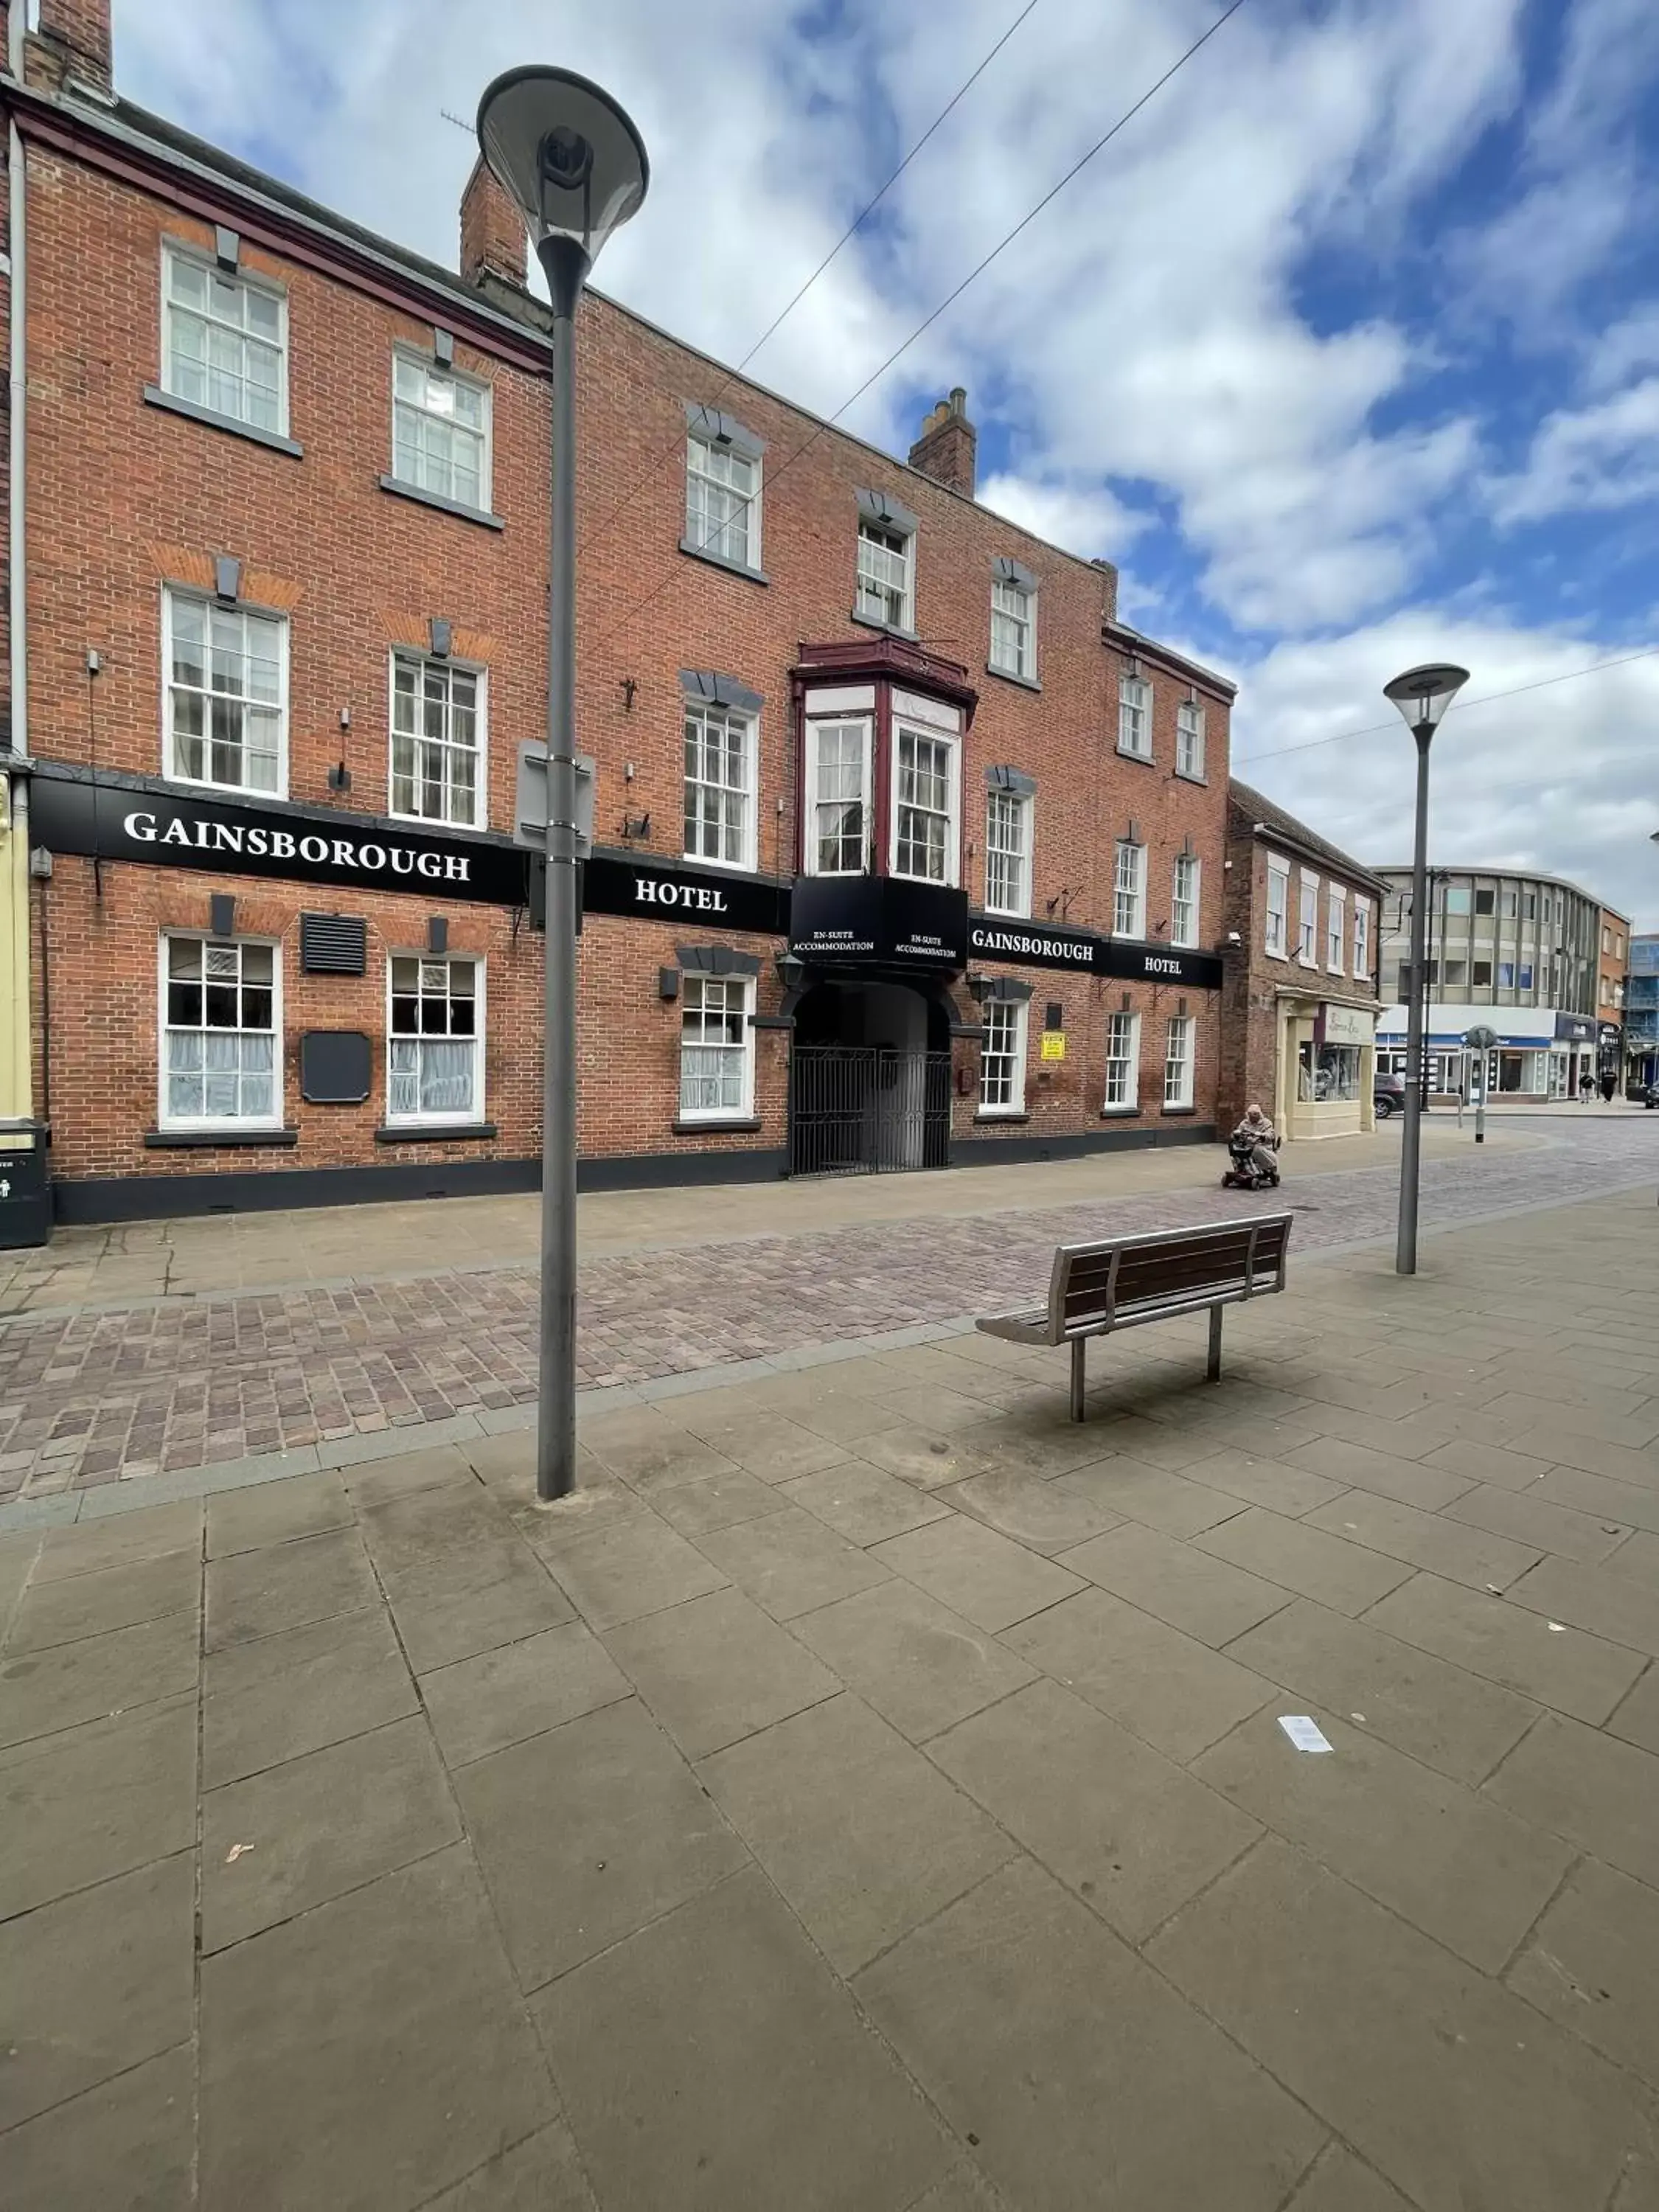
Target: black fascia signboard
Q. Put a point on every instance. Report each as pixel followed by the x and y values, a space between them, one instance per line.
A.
pixel 864 921
pixel 1130 960
pixel 117 818
pixel 653 889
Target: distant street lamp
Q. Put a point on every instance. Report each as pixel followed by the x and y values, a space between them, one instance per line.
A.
pixel 1422 695
pixel 577 168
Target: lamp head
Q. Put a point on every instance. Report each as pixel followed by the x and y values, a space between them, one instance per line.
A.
pixel 1423 695
pixel 565 152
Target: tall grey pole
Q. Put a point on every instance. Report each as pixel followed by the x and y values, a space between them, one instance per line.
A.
pixel 566 265
pixel 1405 1252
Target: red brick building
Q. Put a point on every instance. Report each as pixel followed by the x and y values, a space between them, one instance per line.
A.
pixel 906 851
pixel 1300 1002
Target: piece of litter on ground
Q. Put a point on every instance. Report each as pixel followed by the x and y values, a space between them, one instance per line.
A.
pixel 1360 1717
pixel 1494 1588
pixel 1305 1734
pixel 235 1852
pixel 1558 1628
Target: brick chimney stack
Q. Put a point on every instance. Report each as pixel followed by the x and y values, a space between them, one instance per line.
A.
pixel 76 35
pixel 946 450
pixel 494 240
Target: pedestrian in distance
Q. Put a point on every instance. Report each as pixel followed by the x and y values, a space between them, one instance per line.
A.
pixel 1586 1087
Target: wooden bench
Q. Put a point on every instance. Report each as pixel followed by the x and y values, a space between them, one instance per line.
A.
pixel 1124 1282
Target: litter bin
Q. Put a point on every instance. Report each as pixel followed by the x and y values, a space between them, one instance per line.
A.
pixel 25 1185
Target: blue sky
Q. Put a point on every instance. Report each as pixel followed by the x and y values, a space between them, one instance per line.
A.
pixel 1346 349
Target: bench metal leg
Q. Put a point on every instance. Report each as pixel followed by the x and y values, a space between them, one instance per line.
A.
pixel 1078 1343
pixel 1212 1372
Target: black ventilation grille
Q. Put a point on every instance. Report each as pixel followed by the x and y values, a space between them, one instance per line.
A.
pixel 333 943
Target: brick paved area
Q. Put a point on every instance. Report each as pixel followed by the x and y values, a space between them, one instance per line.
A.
pixel 94 1397
pixel 868 1793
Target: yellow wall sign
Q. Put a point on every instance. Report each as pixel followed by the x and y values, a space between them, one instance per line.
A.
pixel 1053 1044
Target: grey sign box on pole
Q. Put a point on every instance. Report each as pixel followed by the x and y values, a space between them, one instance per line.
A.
pixel 530 801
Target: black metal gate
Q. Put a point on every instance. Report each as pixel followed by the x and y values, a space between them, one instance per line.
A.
pixel 866 1109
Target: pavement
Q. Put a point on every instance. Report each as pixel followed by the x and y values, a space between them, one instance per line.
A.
pixel 869 1793
pixel 299 1340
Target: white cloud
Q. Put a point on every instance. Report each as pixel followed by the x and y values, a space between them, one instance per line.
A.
pixel 1085 518
pixel 1603 456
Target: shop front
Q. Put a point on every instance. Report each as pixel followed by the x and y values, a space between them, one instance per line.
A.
pixel 1326 1053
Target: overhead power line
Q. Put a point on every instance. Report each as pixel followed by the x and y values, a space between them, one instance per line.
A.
pixel 675 445
pixel 951 298
pixel 1457 706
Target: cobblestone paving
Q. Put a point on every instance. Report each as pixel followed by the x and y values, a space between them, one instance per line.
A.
pixel 96 1397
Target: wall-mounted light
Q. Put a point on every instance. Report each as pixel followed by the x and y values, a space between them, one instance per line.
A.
pixel 635 826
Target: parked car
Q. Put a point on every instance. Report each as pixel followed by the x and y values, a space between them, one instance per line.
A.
pixel 1650 1096
pixel 1387 1094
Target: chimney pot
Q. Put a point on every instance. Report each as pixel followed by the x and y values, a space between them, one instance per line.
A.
pixel 494 241
pixel 946 450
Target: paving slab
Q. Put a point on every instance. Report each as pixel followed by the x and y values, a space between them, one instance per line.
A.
pixel 1171 1691
pixel 1638 1559
pixel 276 1512
pixel 483 1596
pixel 1534 1520
pixel 1638 1718
pixel 127 2146
pixel 1621 1503
pixel 296 1835
pixel 1202 1596
pixel 977 1573
pixel 770 1446
pixel 1503 1643
pixel 1430 1540
pixel 547 1528
pixel 92 1983
pixel 1136 1489
pixel 1149 1443
pixel 83 1807
pixel 791 1562
pixel 1592 1964
pixel 299 1690
pixel 1074 2069
pixel 863 1836
pixel 1345 1576
pixel 633 1566
pixel 1262 1481
pixel 1451 1720
pixel 43 1692
pixel 1361 1466
pixel 586 1833
pixel 497 1698
pixel 63 1612
pixel 286 1585
pixel 648 1450
pixel 542 2174
pixel 1609 1605
pixel 380 1479
pixel 929 1461
pixel 718 1669
pixel 718 1501
pixel 712 2063
pixel 965 2188
pixel 423 1529
pixel 1464 2097
pixel 863 1503
pixel 1339 2183
pixel 1127 1829
pixel 921 1666
pixel 1503 1467
pixel 120 1541
pixel 1598 1792
pixel 368 2053
pixel 1443 1856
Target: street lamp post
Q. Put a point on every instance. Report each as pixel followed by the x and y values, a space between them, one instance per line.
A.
pixel 577 168
pixel 1422 695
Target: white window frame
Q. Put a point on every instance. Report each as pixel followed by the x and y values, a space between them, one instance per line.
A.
pixel 901 728
pixel 1130 1102
pixel 172 595
pixel 1362 937
pixel 1307 919
pixel 1186 932
pixel 1016 805
pixel 877 534
pixel 1137 893
pixel 487 434
pixel 422 1118
pixel 1189 740
pixel 164 1119
pixel 1128 708
pixel 1018 1010
pixel 704 536
pixel 1278 877
pixel 411 657
pixel 744 1111
pixel 176 250
pixel 866 723
pixel 748 844
pixel 1024 663
pixel 1336 925
pixel 1186 1027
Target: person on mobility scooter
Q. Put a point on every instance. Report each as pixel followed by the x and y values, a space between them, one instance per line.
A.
pixel 1253 1149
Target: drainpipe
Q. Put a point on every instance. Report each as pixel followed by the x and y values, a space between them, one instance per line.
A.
pixel 16 1102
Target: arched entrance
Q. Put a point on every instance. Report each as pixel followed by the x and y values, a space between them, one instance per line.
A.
pixel 869 1081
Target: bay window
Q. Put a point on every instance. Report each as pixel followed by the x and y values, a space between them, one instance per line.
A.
pixel 1122 1062
pixel 220 1026
pixel 924 805
pixel 1007 853
pixel 1002 1057
pixel 434 1039
pixel 720 785
pixel 838 820
pixel 717 1059
pixel 1129 892
pixel 1183 907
